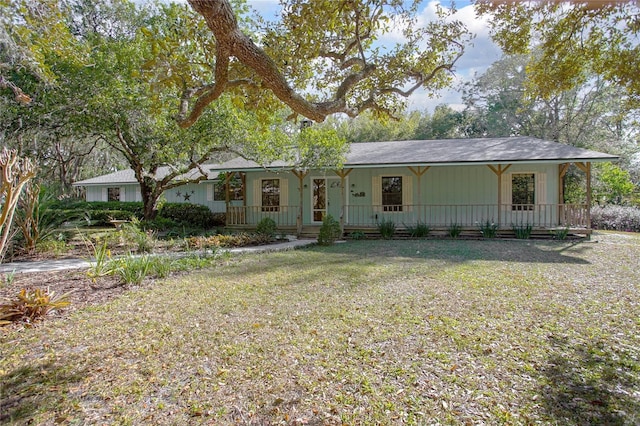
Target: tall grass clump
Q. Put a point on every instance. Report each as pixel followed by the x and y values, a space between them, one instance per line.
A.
pixel 454 230
pixel 387 228
pixel 419 230
pixel 489 229
pixel 522 232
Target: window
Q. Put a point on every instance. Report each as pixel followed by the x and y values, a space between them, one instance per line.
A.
pixel 392 193
pixel 218 191
pixel 113 194
pixel 522 191
pixel 236 188
pixel 270 195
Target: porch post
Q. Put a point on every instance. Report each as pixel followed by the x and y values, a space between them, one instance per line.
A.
pixel 342 173
pixel 562 171
pixel 499 171
pixel 300 175
pixel 227 197
pixel 419 172
pixel 586 168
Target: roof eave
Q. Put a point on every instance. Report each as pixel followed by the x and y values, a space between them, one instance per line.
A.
pixel 436 164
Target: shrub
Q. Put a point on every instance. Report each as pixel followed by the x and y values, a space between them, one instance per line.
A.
pixel 158 224
pixel 357 235
pixel 560 234
pixel 330 231
pixel 219 219
pixel 56 247
pixel 241 239
pixel 387 228
pixel 189 214
pixel 31 305
pixel 132 270
pixel 522 232
pixel 420 230
pixel 614 217
pixel 267 227
pixel 489 229
pixel 103 217
pixel 144 240
pixel 454 230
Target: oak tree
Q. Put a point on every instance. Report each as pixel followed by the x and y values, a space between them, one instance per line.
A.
pixel 576 41
pixel 321 57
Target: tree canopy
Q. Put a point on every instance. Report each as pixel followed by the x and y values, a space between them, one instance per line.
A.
pixel 575 41
pixel 324 57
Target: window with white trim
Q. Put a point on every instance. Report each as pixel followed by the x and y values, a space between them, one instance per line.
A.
pixel 113 194
pixel 270 195
pixel 523 191
pixel 392 193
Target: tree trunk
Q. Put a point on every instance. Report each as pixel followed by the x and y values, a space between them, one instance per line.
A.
pixel 150 197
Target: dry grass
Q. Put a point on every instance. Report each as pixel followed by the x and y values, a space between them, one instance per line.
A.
pixel 366 332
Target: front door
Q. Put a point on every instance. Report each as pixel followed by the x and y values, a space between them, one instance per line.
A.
pixel 325 198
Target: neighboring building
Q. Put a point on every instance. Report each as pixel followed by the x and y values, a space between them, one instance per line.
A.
pixel 123 186
pixel 508 181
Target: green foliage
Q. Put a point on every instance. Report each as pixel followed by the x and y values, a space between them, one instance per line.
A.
pixel 160 266
pixel 454 230
pixel 615 185
pixel 241 239
pixel 57 247
pixel 101 265
pixel 489 229
pixel 30 305
pixel 219 219
pixel 419 230
pixel 158 224
pixel 330 231
pixel 267 227
pixel 357 235
pixel 572 43
pixel 522 232
pixel 144 240
pixel 195 215
pixel 8 278
pixel 79 205
pixel 386 228
pixel 133 269
pixel 560 234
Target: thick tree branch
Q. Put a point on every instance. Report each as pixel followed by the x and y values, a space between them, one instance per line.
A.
pixel 231 41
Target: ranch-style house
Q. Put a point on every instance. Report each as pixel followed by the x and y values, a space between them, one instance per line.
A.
pixel 511 181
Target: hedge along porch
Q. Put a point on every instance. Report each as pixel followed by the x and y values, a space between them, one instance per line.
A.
pixel 467 182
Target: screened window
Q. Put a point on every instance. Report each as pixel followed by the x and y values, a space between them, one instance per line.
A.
pixel 236 187
pixel 270 195
pixel 218 191
pixel 523 191
pixel 392 193
pixel 113 194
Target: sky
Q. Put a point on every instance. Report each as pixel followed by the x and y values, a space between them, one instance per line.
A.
pixel 476 59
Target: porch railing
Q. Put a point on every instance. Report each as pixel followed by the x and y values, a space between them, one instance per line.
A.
pixel 252 215
pixel 435 215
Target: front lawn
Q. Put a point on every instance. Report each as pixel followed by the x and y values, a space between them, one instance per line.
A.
pixel 364 332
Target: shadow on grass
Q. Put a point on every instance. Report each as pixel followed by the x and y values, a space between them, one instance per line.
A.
pixel 458 251
pixel 592 383
pixel 35 388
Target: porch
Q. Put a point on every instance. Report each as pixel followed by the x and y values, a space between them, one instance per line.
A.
pixel 469 217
